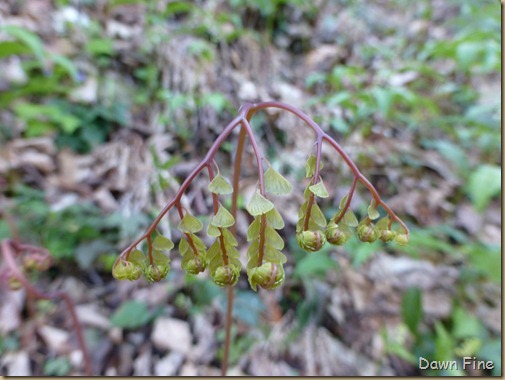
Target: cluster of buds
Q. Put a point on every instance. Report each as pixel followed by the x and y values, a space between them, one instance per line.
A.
pixel 339 229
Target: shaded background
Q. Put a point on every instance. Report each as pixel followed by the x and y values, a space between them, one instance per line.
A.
pixel 106 106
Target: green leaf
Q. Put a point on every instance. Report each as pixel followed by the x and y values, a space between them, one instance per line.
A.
pixel 350 219
pixel 275 183
pixel 310 166
pixel 138 258
pixel 317 216
pixel 484 183
pixel 273 238
pixel 342 201
pixel 412 309
pixel 314 265
pixel 372 211
pixel 160 258
pixel 259 205
pixel 131 315
pixel 162 243
pixel 67 65
pixel 383 223
pixel 275 219
pixel 220 185
pixel 444 344
pixel 319 190
pixel 223 218
pixel 213 231
pixel 31 40
pixel 254 229
pixel 189 224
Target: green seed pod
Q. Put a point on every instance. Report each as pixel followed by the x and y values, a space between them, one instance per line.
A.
pixel 387 235
pixel 367 233
pixel 311 241
pixel 334 235
pixel 125 270
pixel 401 239
pixel 268 276
pixel 226 275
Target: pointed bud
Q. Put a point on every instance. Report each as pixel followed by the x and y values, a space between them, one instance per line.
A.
pixel 367 233
pixel 311 241
pixel 334 235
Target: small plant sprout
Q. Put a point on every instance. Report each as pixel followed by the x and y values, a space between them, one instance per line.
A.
pixel 265 259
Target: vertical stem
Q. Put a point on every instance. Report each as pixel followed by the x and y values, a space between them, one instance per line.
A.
pixel 229 301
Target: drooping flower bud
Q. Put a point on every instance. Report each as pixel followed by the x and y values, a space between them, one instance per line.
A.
pixel 311 241
pixel 387 235
pixel 367 233
pixel 194 266
pixel 13 282
pixel 226 275
pixel 401 239
pixel 268 276
pixel 125 270
pixel 155 273
pixel 334 235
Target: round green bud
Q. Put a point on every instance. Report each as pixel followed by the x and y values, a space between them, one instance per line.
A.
pixel 125 270
pixel 155 273
pixel 334 235
pixel 268 276
pixel 387 235
pixel 311 241
pixel 226 275
pixel 367 233
pixel 194 266
pixel 13 282
pixel 401 239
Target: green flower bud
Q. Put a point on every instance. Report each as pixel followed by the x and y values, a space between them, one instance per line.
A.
pixel 268 276
pixel 387 235
pixel 334 235
pixel 194 266
pixel 311 241
pixel 125 270
pixel 13 282
pixel 401 239
pixel 37 261
pixel 367 233
pixel 226 275
pixel 155 273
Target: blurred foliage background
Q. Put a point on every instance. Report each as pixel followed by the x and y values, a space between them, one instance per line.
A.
pixel 105 106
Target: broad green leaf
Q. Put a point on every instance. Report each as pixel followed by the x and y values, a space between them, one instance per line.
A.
pixel 319 190
pixel 189 224
pixel 273 238
pixel 259 205
pixel 213 231
pixel 275 183
pixel 342 201
pixel 484 183
pixel 412 309
pixel 138 258
pixel 220 185
pixel 383 223
pixel 229 238
pixel 223 218
pixel 160 258
pixel 274 256
pixel 317 215
pixel 350 219
pixel 67 65
pixel 131 314
pixel 254 229
pixel 310 166
pixel 372 211
pixel 275 219
pixel 162 243
pixel 28 38
pixel 183 246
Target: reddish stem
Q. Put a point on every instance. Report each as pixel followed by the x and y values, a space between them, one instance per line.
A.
pixel 9 250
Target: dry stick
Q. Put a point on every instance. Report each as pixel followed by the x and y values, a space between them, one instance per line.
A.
pixel 8 247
